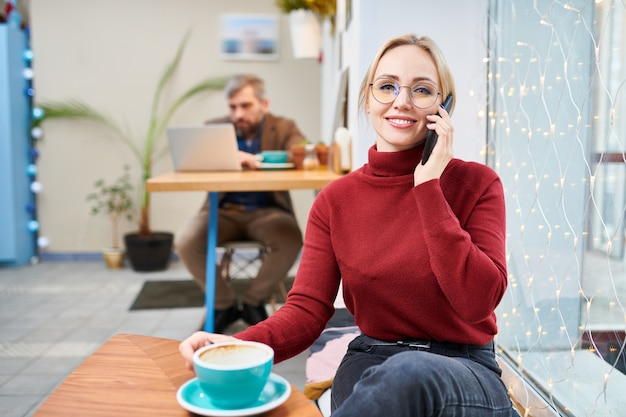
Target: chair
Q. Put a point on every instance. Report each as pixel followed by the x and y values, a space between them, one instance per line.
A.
pixel 242 259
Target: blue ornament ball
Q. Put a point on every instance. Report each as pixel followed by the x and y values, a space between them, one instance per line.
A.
pixel 28 55
pixel 31 169
pixel 33 225
pixel 38 113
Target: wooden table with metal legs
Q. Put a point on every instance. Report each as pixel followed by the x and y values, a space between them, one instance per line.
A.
pixel 224 181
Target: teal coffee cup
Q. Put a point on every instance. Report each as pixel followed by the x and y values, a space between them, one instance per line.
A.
pixel 233 374
pixel 274 157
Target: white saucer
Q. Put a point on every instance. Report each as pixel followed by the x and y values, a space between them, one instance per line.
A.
pixel 267 165
pixel 191 397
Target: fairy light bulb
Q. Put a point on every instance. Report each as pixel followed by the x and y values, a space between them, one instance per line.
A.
pixel 36 132
pixel 36 187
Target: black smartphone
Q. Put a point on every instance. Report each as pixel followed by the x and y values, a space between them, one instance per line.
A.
pixel 431 138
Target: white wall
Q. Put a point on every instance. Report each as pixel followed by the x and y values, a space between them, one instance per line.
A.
pixel 110 54
pixel 460 29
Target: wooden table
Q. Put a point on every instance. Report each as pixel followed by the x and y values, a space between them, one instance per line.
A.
pixel 136 376
pixel 246 180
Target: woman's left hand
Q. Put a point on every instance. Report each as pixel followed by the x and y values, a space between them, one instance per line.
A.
pixel 443 151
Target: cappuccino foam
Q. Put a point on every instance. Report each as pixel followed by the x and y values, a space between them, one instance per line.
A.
pixel 233 355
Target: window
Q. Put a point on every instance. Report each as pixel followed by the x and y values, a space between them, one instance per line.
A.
pixel 557 137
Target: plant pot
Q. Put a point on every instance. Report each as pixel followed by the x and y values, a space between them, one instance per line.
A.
pixel 322 155
pixel 306 34
pixel 113 257
pixel 149 253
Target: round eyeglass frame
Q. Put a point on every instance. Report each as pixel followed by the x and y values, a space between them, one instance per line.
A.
pixel 400 87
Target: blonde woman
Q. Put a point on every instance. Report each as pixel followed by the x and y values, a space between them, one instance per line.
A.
pixel 420 251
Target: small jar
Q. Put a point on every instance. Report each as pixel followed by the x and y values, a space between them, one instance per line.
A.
pixel 310 162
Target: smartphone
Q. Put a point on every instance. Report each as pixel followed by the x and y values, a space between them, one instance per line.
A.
pixel 431 138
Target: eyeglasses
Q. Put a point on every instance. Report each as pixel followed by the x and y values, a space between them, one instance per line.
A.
pixel 423 94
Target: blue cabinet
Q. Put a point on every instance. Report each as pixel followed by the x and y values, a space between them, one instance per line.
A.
pixel 17 241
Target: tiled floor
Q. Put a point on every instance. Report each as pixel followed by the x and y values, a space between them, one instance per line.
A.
pixel 55 314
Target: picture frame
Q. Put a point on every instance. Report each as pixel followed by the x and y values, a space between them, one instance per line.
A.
pixel 252 37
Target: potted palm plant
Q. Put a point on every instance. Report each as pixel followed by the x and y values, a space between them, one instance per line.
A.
pixel 146 249
pixel 115 201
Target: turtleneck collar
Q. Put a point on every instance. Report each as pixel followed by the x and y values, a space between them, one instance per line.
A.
pixel 391 164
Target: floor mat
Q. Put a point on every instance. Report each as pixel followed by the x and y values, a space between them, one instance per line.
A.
pixel 168 294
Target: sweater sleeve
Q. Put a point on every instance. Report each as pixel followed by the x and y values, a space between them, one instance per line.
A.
pixel 470 229
pixel 300 321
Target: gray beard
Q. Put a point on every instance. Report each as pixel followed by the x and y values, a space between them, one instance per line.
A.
pixel 248 133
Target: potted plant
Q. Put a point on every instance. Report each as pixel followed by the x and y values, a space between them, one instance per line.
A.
pixel 324 8
pixel 146 249
pixel 114 200
pixel 305 18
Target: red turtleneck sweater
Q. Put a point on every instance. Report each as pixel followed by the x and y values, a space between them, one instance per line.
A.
pixel 422 262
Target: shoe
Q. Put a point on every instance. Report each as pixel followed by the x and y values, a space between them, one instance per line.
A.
pixel 253 315
pixel 224 318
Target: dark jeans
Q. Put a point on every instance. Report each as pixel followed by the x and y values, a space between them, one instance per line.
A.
pixel 378 378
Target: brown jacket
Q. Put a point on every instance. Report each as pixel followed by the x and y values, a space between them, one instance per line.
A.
pixel 279 133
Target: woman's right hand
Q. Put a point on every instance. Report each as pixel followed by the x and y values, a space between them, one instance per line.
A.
pixel 443 152
pixel 198 340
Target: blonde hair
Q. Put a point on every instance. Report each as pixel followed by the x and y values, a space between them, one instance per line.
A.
pixel 427 44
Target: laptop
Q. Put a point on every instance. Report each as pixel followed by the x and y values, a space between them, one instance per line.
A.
pixel 211 147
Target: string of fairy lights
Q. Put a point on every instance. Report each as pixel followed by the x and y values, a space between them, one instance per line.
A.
pixel 556 85
pixel 14 18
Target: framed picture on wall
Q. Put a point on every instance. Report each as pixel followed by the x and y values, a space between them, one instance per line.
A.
pixel 249 37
